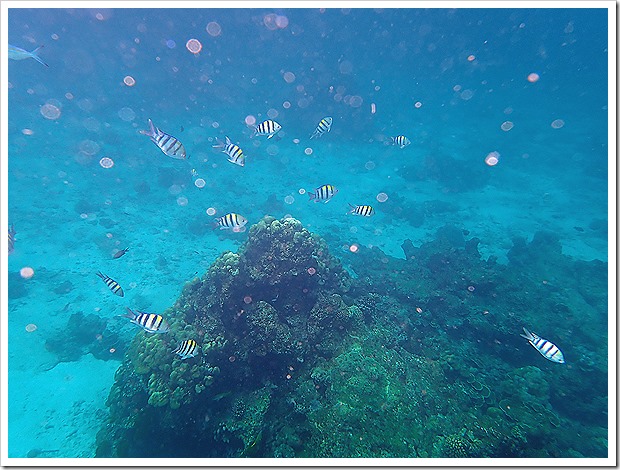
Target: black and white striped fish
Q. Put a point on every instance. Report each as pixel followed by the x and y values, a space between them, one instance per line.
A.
pixel 168 144
pixel 234 152
pixel 230 221
pixel 365 211
pixel 325 125
pixel 112 284
pixel 323 193
pixel 546 348
pixel 400 140
pixel 12 233
pixel 268 127
pixel 149 322
pixel 186 349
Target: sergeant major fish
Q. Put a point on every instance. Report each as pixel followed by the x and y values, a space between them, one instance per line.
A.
pixel 323 193
pixel 112 284
pixel 268 127
pixel 12 233
pixel 171 146
pixel 186 349
pixel 149 322
pixel 325 125
pixel 549 350
pixel 365 211
pixel 17 53
pixel 400 140
pixel 234 152
pixel 230 221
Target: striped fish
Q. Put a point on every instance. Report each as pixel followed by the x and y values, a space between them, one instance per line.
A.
pixel 112 284
pixel 186 349
pixel 400 140
pixel 365 211
pixel 267 127
pixel 17 53
pixel 168 144
pixel 12 233
pixel 234 152
pixel 324 126
pixel 323 193
pixel 230 221
pixel 546 348
pixel 149 322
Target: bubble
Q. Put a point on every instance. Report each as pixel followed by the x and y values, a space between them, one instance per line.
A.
pixel 557 124
pixel 289 77
pixel 301 191
pixel 286 104
pixel 533 77
pixel 26 272
pixel 311 271
pixel 354 247
pixel 129 80
pixel 182 201
pixel 49 111
pixel 471 57
pixel 308 151
pixel 194 46
pixel 289 199
pixel 345 67
pixel 492 158
pixel 211 211
pixel 214 29
pixel 507 125
pixel 247 299
pixel 27 131
pixel 106 162
pixel 370 165
pixel 272 113
pixel 356 101
pixel 250 120
pixel 382 197
pixel 467 95
pixel 127 114
pixel 30 327
pixel 200 183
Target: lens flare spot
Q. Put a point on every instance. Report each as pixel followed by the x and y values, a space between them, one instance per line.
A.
pixel 30 327
pixel 211 211
pixel 200 183
pixel 382 197
pixel 194 46
pixel 129 80
pixel 106 162
pixel 26 272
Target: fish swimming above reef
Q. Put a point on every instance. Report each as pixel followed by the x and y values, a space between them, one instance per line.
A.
pixel 268 127
pixel 230 221
pixel 325 125
pixel 234 152
pixel 186 349
pixel 12 233
pixel 120 253
pixel 149 322
pixel 112 284
pixel 170 145
pixel 323 193
pixel 399 140
pixel 365 211
pixel 549 350
pixel 17 53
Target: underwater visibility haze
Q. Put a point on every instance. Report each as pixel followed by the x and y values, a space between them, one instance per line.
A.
pixel 307 232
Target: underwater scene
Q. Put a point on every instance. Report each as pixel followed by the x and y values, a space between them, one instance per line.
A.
pixel 307 232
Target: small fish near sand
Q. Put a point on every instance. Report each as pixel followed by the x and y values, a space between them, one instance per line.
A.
pixel 400 140
pixel 120 253
pixel 268 128
pixel 112 284
pixel 323 193
pixel 17 53
pixel 549 350
pixel 170 145
pixel 149 322
pixel 325 125
pixel 230 221
pixel 364 211
pixel 12 233
pixel 186 349
pixel 234 152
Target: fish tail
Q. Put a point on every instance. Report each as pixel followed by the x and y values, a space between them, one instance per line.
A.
pixel 352 208
pixel 101 275
pixel 527 335
pixel 35 56
pixel 219 144
pixel 151 131
pixel 130 314
pixel 312 196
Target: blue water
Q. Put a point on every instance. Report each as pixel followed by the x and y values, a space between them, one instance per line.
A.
pixel 454 81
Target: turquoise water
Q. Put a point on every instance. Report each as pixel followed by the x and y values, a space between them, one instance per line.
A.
pixel 440 316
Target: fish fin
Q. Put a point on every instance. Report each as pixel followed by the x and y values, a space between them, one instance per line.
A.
pixel 218 144
pixel 352 208
pixel 312 196
pixel 150 132
pixel 36 57
pixel 130 314
pixel 253 133
pixel 100 274
pixel 228 142
pixel 527 334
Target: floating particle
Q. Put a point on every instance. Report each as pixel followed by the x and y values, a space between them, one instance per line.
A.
pixel 373 108
pixel 356 101
pixel 171 44
pixel 83 216
pixel 457 88
pixel 26 272
pixel 112 350
pixel 55 37
pixel 214 29
pixel 250 120
pixel 270 21
pixel 247 299
pixel 471 57
pixel 471 288
pixel 27 131
pixel 182 201
pixel 91 124
pixel 492 159
pixel 272 113
pixel 286 104
pixel 377 88
pixel 289 199
pixel 194 46
pixel 288 376
pixel 211 211
pixel 129 80
pixel 289 77
pixel 215 124
pixel 106 162
pixel 308 151
pixel 281 21
pixel 533 77
pixel 353 248
pixel 507 125
pixel 557 124
pixel 109 235
pixel 508 110
pixel 301 191
pixel 418 104
pixel 232 359
pixel 345 67
pixel 467 95
pixel 49 111
pixel 382 197
pixel 69 96
pixel 311 271
pixel 353 229
pixel 370 165
pixel 30 327
pixel 418 309
pixel 126 114
pixel 200 183
pixel 175 189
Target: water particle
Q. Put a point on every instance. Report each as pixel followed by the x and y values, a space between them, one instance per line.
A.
pixel 288 376
pixel 301 191
pixel 27 131
pixel 232 359
pixel 214 29
pixel 289 199
pixel 382 197
pixel 286 104
pixel 507 125
pixel 30 327
pixel 471 58
pixel 557 124
pixel 194 46
pixel 272 113
pixel 373 108
pixel 250 120
pixel 467 95
pixel 281 21
pixel 129 80
pixel 247 299
pixel 533 77
pixel 83 216
pixel 289 77
pixel 471 288
pixel 26 272
pixel 126 114
pixel 182 201
pixel 418 309
pixel 171 44
pixel 356 101
pixel 112 350
pixel 457 88
pixel 353 248
pixel 311 271
pixel 418 104
pixel 492 159
pixel 49 111
pixel 200 183
pixel 211 211
pixel 308 151
pixel 370 165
